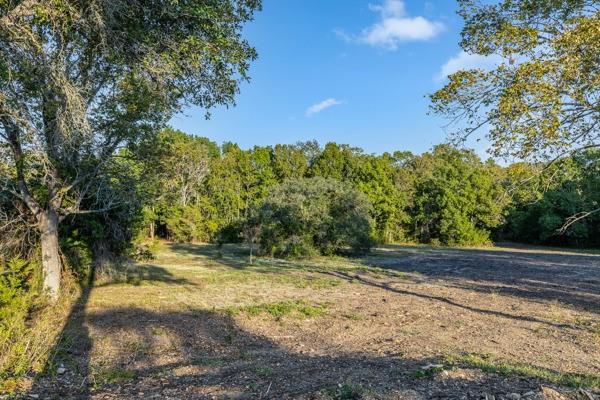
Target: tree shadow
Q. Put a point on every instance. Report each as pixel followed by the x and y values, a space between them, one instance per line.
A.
pixel 74 343
pixel 200 354
pixel 571 279
pixel 205 354
pixel 139 274
pixel 234 256
pixel 384 286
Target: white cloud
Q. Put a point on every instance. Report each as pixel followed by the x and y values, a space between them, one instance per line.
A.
pixel 464 60
pixel 317 108
pixel 394 27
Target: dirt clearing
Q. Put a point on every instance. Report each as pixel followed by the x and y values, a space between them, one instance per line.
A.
pixel 402 323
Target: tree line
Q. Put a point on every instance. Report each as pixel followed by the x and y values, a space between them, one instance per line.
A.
pixel 188 189
pixel 446 196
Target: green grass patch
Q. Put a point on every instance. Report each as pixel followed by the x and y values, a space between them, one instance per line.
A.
pixel 347 391
pixel 110 376
pixel 294 308
pixel 354 317
pixel 424 373
pixel 489 363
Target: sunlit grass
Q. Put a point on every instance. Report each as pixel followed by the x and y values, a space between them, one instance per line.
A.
pixel 294 308
pixel 489 363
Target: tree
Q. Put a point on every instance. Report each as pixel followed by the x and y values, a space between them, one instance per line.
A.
pixel 184 164
pixel 289 161
pixel 335 161
pixel 80 79
pixel 302 216
pixel 543 100
pixel 457 199
pixel 538 215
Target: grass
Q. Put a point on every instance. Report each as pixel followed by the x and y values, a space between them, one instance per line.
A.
pixel 192 282
pixel 27 339
pixel 346 391
pixel 354 316
pixel 295 308
pixel 424 373
pixel 110 376
pixel 489 363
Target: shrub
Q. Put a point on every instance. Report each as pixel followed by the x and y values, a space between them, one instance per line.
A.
pixel 17 298
pixel 29 326
pixel 457 198
pixel 303 217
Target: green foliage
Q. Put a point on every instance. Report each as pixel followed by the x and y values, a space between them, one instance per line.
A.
pixel 17 297
pixel 375 177
pixel 314 215
pixel 95 78
pixel 457 199
pixel 16 277
pixel 548 213
pixel 542 99
pixel 447 196
pixel 188 224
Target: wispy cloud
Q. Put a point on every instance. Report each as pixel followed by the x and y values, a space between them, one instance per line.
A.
pixel 464 60
pixel 317 108
pixel 394 27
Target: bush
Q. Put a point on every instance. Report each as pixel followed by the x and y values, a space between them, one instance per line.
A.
pixel 303 217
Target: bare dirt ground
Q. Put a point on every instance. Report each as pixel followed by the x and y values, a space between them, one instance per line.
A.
pixel 402 323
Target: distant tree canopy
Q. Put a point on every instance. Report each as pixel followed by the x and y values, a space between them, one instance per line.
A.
pixel 447 196
pixel 544 99
pixel 81 79
pixel 556 211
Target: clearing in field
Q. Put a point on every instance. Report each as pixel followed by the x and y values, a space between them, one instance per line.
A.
pixel 199 322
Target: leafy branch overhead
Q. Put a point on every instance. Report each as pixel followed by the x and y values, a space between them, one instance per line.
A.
pixel 543 100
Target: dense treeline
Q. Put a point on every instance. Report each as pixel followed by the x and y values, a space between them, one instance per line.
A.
pixel 194 190
pixel 189 189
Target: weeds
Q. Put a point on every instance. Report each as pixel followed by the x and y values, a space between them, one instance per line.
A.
pixel 29 327
pixel 346 391
pixel 427 372
pixel 111 376
pixel 354 317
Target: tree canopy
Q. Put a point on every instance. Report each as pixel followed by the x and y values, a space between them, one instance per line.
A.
pixel 543 99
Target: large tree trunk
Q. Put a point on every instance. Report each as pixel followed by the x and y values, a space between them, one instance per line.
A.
pixel 50 252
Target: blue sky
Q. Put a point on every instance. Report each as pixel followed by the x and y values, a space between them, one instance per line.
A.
pixel 350 71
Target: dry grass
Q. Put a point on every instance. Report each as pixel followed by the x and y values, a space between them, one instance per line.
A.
pixel 206 320
pixel 32 347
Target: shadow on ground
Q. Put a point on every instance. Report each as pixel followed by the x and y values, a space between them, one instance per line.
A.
pixel 203 354
pixel 571 279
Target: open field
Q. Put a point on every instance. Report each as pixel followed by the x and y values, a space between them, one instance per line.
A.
pixel 403 322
